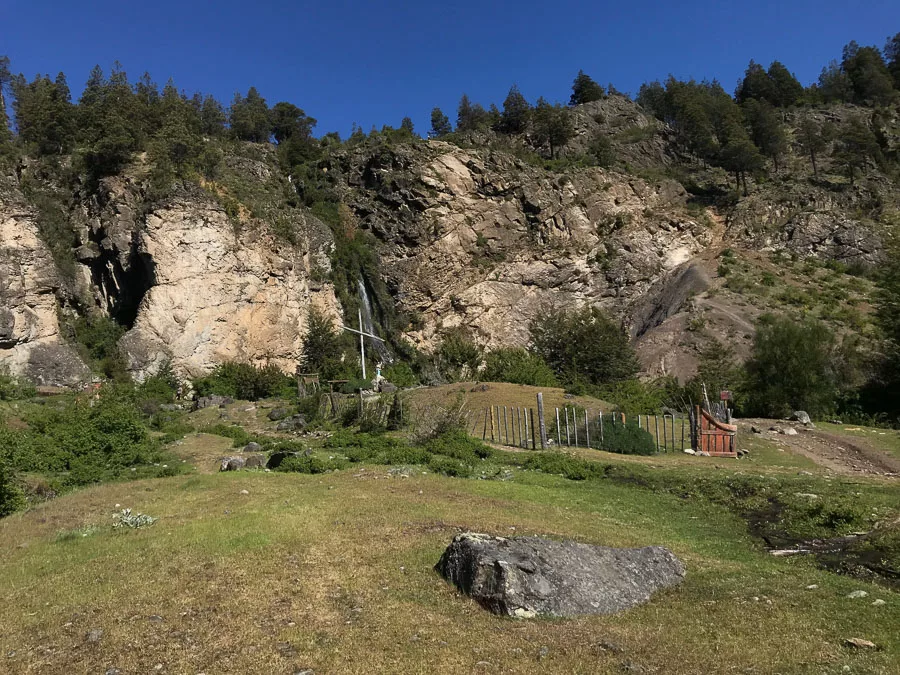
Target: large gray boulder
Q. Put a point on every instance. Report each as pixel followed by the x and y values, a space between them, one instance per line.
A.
pixel 530 576
pixel 800 416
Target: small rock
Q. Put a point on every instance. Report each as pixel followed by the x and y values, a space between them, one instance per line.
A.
pixel 286 649
pixel 812 587
pixel 879 602
pixel 835 422
pixel 689 451
pixel 156 618
pixel 857 594
pixel 790 431
pixel 245 492
pixel 755 429
pixel 278 414
pixel 304 672
pixel 256 462
pixel 232 463
pixel 94 635
pixel 113 671
pixel 610 647
pixel 859 643
pixel 544 652
pixel 806 495
pixel 252 446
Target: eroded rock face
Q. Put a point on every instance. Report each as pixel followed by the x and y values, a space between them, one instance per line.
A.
pixel 30 341
pixel 529 576
pixel 216 295
pixel 482 240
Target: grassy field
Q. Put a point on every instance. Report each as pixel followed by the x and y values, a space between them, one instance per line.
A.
pixel 334 573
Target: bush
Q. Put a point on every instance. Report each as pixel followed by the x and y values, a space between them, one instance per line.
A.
pixel 449 467
pixel 14 388
pixel 401 375
pixel 98 340
pixel 11 497
pixel 458 445
pixel 310 464
pixel 246 382
pixel 584 346
pixel 519 366
pixel 457 357
pixel 628 439
pixel 557 463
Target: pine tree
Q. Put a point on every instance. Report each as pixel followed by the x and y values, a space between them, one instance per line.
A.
pixel 766 130
pixel 552 125
pixel 290 122
pixel 212 117
pixel 44 114
pixel 813 139
pixel 869 77
pixel 585 90
pixel 892 55
pixel 740 157
pixel 440 123
pixel 249 117
pixel 756 85
pixel 5 82
pixel 856 145
pixel 834 85
pixel 514 118
pixel 786 89
pixel 406 125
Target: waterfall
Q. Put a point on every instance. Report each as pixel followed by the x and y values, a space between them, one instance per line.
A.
pixel 379 348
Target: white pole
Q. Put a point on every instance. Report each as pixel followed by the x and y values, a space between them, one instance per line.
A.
pixel 362 345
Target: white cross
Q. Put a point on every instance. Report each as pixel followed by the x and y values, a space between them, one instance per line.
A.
pixel 362 342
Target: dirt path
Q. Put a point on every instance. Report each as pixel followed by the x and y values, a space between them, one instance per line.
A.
pixel 829 450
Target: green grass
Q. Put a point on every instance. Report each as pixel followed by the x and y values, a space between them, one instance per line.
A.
pixel 887 440
pixel 312 571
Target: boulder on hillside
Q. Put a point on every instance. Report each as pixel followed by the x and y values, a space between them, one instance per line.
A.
pixel 256 462
pixel 213 401
pixel 800 416
pixel 278 414
pixel 530 576
pixel 232 463
pixel 292 423
pixel 277 458
pixel 252 446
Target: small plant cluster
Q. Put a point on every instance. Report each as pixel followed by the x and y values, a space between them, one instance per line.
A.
pixel 134 521
pixel 245 381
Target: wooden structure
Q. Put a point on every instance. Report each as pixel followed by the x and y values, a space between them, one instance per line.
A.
pixel 715 438
pixel 307 384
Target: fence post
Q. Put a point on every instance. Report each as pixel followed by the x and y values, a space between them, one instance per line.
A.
pixel 575 424
pixel 673 432
pixel 558 431
pixel 533 430
pixel 568 437
pixel 525 417
pixel 601 429
pixel 587 428
pixel 656 423
pixel 682 432
pixel 665 439
pixel 543 427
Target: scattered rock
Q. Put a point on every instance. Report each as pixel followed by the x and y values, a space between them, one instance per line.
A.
pixel 277 458
pixel 171 407
pixel 232 463
pixel 857 594
pixel 386 387
pixel 689 451
pixel 800 416
pixel 479 387
pixel 812 587
pixel 252 447
pixel 755 429
pixel 292 423
pixel 610 647
pixel 790 431
pixel 156 618
pixel 245 492
pixel 256 462
pixel 278 414
pixel 286 649
pixel 529 576
pixel 94 635
pixel 213 401
pixel 806 495
pixel 879 602
pixel 113 671
pixel 859 643
pixel 835 422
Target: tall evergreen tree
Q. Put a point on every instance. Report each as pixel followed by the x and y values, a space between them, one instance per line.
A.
pixel 212 117
pixel 834 85
pixel 406 125
pixel 289 121
pixel 440 123
pixel 756 85
pixel 869 77
pixel 107 123
pixel 5 82
pixel 741 157
pixel 249 117
pixel 786 89
pixel 585 89
pixel 766 130
pixel 552 125
pixel 470 116
pixel 856 146
pixel 514 118
pixel 44 114
pixel 892 55
pixel 813 139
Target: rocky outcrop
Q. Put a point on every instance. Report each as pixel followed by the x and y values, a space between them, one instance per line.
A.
pixel 30 340
pixel 529 576
pixel 216 295
pixel 486 242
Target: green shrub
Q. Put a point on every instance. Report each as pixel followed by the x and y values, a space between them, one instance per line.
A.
pixel 237 434
pixel 401 375
pixel 246 382
pixel 458 445
pixel 14 388
pixel 449 467
pixel 628 439
pixel 519 366
pixel 310 464
pixel 98 339
pixel 11 497
pixel 560 464
pixel 457 356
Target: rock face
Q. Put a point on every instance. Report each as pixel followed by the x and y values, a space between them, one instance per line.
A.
pixel 215 296
pixel 30 340
pixel 530 576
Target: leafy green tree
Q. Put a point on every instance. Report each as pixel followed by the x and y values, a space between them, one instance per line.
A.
pixel 517 365
pixel 470 116
pixel 249 117
pixel 794 365
pixel 856 146
pixel 288 121
pixel 786 89
pixel 323 346
pixel 740 157
pixel 212 117
pixel 719 370
pixel 602 151
pixel 516 111
pixel 44 114
pixel 892 55
pixel 5 83
pixel 869 77
pixel 457 356
pixel 834 86
pixel 584 347
pixel 585 90
pixel 552 125
pixel 813 138
pixel 766 129
pixel 440 123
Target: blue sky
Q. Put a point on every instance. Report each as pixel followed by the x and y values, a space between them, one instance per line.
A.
pixel 371 63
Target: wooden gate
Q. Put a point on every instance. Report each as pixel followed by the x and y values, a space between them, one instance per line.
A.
pixel 712 436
